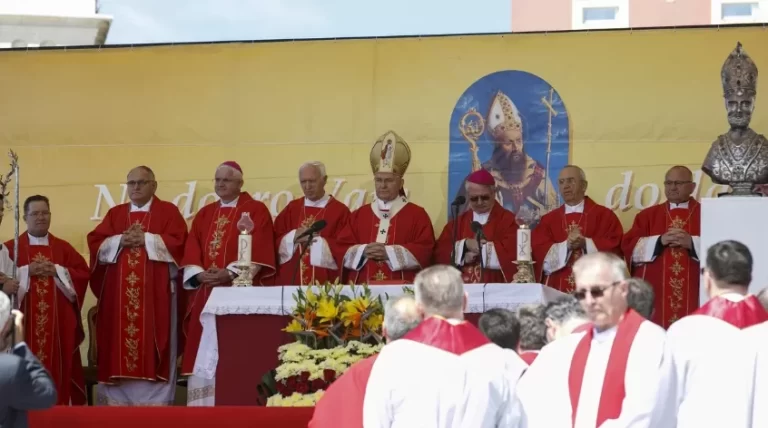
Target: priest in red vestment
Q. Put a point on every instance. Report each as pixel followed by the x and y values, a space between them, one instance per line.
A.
pixel 342 404
pixel 210 260
pixel 662 247
pixel 53 279
pixel 604 376
pixel 578 227
pixel 322 261
pixel 390 239
pixel 709 350
pixel 136 252
pixel 499 243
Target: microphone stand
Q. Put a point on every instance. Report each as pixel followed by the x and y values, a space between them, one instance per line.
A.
pixel 455 220
pixel 310 237
pixel 480 259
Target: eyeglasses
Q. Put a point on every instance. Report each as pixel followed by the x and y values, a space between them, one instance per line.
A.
pixel 138 183
pixel 483 198
pixel 596 291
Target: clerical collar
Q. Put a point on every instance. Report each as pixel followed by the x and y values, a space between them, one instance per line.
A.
pixel 384 206
pixel 578 208
pixel 481 218
pixel 141 209
pixel 320 203
pixel 34 240
pixel 230 204
pixel 733 297
pixel 683 205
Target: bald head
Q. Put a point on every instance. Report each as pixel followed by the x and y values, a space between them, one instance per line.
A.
pixel 141 185
pixel 678 184
pixel 572 183
pixel 400 317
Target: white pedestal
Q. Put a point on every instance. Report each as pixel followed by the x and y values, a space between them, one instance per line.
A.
pixel 743 219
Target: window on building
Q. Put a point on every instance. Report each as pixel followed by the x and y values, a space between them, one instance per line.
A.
pixel 738 10
pixel 592 14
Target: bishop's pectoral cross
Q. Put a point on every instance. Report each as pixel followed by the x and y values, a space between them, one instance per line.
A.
pixel 678 223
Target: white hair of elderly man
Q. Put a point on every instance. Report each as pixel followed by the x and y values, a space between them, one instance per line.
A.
pixel 400 317
pixel 439 290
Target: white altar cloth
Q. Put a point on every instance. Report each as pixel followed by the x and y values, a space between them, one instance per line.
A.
pixel 279 301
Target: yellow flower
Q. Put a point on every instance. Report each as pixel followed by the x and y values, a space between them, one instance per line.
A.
pixel 293 326
pixel 311 298
pixel 326 310
pixel 374 322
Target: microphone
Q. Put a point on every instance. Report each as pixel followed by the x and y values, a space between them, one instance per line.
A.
pixel 459 201
pixel 477 229
pixel 311 231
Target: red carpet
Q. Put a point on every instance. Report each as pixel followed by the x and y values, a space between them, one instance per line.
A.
pixel 167 417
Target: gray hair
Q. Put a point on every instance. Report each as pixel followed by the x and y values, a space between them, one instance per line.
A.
pixel 582 174
pixel 640 297
pixel 533 330
pixel 614 263
pixel 235 171
pixel 400 316
pixel 5 316
pixel 440 290
pixel 315 164
pixel 564 309
pixel 762 296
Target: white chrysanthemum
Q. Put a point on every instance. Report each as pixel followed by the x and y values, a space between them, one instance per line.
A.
pixel 295 347
pixel 275 401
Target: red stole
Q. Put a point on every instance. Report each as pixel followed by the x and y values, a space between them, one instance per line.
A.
pixel 41 308
pixel 612 395
pixel 680 285
pixel 529 356
pixel 439 333
pixel 342 403
pixel 742 314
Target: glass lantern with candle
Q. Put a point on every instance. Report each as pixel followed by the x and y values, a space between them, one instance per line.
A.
pixel 244 249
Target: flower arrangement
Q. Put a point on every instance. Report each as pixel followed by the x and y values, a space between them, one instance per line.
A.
pixel 304 373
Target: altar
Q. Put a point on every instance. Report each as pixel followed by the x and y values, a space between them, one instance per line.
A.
pixel 242 329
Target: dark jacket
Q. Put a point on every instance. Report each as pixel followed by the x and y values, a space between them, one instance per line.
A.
pixel 24 385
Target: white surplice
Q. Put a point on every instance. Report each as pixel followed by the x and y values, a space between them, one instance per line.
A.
pixel 129 392
pixel 417 385
pixel 758 336
pixel 545 395
pixel 6 264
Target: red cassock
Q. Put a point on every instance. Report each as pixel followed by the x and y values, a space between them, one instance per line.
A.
pixel 342 403
pixel 500 232
pixel 51 305
pixel 325 251
pixel 133 291
pixel 599 224
pixel 404 228
pixel 741 314
pixel 674 272
pixel 213 242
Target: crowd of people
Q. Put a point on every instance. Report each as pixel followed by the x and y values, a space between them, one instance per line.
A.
pixel 594 359
pixel 152 275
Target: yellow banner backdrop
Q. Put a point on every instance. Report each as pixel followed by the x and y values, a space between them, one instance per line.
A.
pixel 638 102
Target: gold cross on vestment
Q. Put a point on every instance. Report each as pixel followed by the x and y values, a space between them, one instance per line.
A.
pixel 678 223
pixel 138 223
pixel 573 227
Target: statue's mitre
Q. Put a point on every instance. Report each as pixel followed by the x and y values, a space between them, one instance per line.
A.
pixel 390 153
pixel 739 73
pixel 503 115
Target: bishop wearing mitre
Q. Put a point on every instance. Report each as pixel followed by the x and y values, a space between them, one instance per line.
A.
pixel 210 260
pixel 663 247
pixel 580 226
pixel 497 248
pixel 706 379
pixel 390 239
pixel 320 263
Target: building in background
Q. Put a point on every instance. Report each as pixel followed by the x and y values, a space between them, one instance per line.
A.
pixel 36 23
pixel 563 15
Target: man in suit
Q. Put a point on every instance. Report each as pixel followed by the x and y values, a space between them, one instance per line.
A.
pixel 24 383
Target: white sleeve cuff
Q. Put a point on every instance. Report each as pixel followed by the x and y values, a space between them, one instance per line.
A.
pixel 285 251
pixel 109 249
pixel 459 252
pixel 353 259
pixel 644 249
pixel 320 254
pixel 556 258
pixel 697 246
pixel 490 258
pixel 399 258
pixel 23 277
pixel 156 249
pixel 591 248
pixel 64 281
pixel 189 273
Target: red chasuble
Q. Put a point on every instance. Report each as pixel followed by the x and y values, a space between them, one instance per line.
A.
pixel 296 215
pixel 53 326
pixel 596 222
pixel 134 294
pixel 213 242
pixel 742 314
pixel 410 228
pixel 674 273
pixel 501 229
pixel 529 356
pixel 342 403
pixel 612 395
pixel 438 333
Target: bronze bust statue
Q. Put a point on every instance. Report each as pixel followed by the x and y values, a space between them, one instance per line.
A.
pixel 739 157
